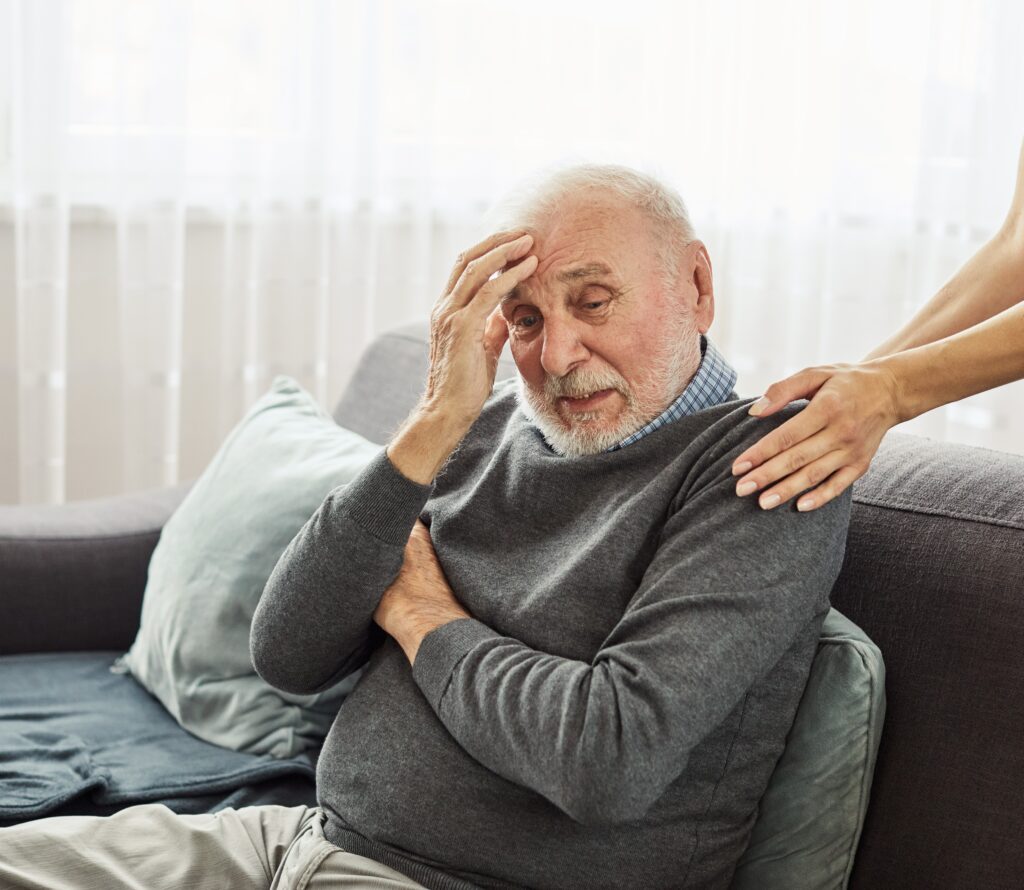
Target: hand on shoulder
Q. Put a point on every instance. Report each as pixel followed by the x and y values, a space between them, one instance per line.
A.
pixel 829 444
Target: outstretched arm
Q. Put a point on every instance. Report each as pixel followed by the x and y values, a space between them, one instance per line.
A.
pixel 968 338
pixel 989 282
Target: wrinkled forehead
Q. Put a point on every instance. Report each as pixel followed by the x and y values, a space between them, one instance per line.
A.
pixel 590 218
pixel 590 234
pixel 581 241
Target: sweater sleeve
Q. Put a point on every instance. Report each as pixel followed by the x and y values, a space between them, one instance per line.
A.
pixel 314 622
pixel 725 595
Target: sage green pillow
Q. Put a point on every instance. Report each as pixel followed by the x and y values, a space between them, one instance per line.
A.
pixel 212 562
pixel 812 813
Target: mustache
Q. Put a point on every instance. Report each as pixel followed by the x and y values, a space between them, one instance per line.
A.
pixel 581 383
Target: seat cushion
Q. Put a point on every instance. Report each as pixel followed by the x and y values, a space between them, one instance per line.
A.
pixel 212 562
pixel 70 727
pixel 813 810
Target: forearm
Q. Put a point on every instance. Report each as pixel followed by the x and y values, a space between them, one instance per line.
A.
pixel 314 622
pixel 988 283
pixel 984 356
pixel 565 729
pixel 411 632
pixel 424 442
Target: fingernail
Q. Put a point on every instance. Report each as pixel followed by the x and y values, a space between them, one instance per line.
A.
pixel 740 469
pixel 759 406
pixel 746 488
pixel 768 502
pixel 804 505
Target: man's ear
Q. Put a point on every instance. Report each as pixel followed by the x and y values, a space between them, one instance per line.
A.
pixel 703 283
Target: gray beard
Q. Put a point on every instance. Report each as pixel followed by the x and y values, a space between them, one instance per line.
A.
pixel 672 370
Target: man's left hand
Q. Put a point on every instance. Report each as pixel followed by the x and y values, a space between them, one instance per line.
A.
pixel 420 598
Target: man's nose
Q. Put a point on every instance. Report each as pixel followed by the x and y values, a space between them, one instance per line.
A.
pixel 563 348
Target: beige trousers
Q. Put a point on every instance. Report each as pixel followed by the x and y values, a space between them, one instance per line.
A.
pixel 149 847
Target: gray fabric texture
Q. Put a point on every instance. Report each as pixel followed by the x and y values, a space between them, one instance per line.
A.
pixel 72 575
pixel 613 712
pixel 934 573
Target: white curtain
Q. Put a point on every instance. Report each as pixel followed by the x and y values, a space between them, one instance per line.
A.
pixel 197 196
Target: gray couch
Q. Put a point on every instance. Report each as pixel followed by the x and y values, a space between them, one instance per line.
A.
pixel 934 573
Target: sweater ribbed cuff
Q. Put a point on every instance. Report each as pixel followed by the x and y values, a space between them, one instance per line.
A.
pixel 441 650
pixel 384 502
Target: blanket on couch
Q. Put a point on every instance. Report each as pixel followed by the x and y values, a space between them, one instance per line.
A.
pixel 72 730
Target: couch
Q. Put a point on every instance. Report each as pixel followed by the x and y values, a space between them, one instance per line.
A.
pixel 934 573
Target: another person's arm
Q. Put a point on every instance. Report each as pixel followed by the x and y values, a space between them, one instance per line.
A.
pixel 968 338
pixel 991 281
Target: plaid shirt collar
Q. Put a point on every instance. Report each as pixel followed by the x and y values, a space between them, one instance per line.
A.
pixel 710 386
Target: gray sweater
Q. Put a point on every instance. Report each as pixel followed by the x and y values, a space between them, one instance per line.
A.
pixel 612 714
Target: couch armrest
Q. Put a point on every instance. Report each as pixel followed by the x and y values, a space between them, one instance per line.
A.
pixel 72 575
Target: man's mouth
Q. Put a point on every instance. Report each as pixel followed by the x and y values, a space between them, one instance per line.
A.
pixel 587 400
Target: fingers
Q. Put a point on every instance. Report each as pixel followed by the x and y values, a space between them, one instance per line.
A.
pixel 495 333
pixel 801 385
pixel 794 431
pixel 488 297
pixel 477 251
pixel 835 486
pixel 463 339
pixel 478 272
pixel 799 479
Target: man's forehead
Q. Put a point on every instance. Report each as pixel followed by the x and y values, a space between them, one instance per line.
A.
pixel 586 270
pixel 576 272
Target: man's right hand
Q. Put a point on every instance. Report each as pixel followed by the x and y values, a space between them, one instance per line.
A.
pixel 467 333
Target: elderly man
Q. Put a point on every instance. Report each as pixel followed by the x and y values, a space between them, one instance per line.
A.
pixel 582 651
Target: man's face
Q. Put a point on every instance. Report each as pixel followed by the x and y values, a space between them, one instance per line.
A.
pixel 595 318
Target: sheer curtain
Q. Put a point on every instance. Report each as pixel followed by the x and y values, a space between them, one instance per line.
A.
pixel 197 196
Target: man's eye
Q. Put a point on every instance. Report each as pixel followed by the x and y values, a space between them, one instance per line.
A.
pixel 595 303
pixel 522 318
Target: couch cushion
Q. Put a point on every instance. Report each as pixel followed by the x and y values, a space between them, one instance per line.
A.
pixel 71 727
pixel 812 812
pixel 934 573
pixel 212 562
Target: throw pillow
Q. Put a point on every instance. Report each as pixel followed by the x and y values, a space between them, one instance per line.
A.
pixel 212 562
pixel 812 813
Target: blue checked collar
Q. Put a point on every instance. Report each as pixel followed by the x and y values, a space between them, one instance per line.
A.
pixel 711 385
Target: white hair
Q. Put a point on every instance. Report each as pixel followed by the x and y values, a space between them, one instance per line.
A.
pixel 538 197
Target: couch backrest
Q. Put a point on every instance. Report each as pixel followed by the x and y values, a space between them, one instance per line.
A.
pixel 934 573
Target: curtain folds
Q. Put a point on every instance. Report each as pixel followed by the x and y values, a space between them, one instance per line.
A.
pixel 195 197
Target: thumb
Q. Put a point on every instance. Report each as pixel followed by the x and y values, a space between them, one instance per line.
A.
pixel 801 385
pixel 495 335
